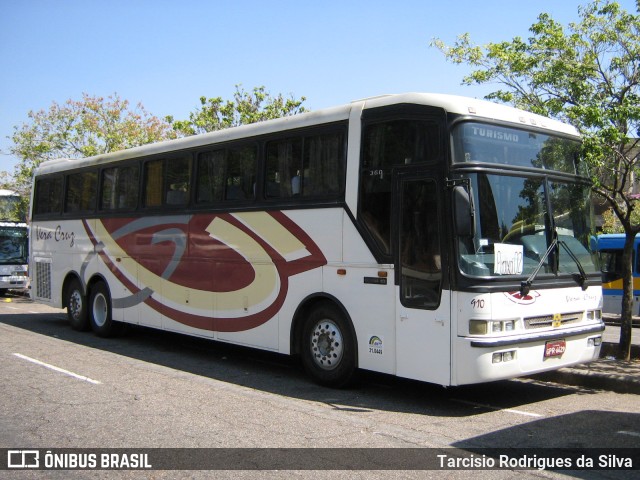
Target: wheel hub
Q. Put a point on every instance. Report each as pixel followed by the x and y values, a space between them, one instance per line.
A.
pixel 327 345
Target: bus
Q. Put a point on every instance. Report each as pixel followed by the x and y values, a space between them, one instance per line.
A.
pixel 13 244
pixel 432 237
pixel 610 246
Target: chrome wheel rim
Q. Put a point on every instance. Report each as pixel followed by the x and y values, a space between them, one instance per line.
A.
pixel 100 310
pixel 75 304
pixel 327 345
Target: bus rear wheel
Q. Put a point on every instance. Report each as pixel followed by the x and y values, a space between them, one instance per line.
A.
pixel 100 312
pixel 76 303
pixel 328 347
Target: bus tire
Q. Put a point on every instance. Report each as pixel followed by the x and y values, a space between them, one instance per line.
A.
pixel 328 346
pixel 76 302
pixel 100 312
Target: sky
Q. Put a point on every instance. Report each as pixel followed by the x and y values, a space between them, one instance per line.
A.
pixel 167 54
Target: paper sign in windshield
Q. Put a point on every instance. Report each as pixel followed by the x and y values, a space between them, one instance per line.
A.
pixel 508 259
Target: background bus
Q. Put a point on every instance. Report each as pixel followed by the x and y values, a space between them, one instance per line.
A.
pixel 432 237
pixel 13 244
pixel 609 247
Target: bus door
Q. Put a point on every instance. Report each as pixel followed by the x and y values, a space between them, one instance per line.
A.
pixel 423 312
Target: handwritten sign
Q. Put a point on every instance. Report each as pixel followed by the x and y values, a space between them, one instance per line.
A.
pixel 508 259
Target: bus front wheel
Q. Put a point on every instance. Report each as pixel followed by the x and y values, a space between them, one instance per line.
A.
pixel 328 346
pixel 76 303
pixel 100 312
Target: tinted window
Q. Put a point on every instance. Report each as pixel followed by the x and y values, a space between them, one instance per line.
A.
pixel 48 196
pixel 80 195
pixel 227 175
pixel 388 145
pixel 120 188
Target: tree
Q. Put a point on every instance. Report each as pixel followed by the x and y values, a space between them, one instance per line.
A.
pixel 82 128
pixel 587 74
pixel 246 107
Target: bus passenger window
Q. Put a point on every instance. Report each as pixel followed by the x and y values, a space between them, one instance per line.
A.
pixel 323 169
pixel 210 186
pixel 284 162
pixel 178 181
pixel 81 192
pixel 119 188
pixel 48 196
pixel 153 183
pixel 241 173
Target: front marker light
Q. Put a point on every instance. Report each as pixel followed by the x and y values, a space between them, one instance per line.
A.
pixel 477 327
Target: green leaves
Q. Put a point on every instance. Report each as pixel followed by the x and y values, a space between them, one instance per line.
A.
pixel 587 74
pixel 246 107
pixel 82 128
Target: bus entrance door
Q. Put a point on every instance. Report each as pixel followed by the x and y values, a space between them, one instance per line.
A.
pixel 423 316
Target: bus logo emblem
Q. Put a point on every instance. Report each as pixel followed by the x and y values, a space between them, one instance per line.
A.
pixel 557 320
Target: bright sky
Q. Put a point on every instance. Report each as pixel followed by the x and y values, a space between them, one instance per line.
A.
pixel 167 54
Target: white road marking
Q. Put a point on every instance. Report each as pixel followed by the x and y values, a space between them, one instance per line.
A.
pixel 633 434
pixel 58 369
pixel 498 409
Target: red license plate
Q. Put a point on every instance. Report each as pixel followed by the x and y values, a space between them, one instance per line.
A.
pixel 555 348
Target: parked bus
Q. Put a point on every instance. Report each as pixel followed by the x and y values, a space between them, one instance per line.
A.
pixel 432 237
pixel 610 246
pixel 13 244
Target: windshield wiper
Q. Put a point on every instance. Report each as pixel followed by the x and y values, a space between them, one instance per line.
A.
pixel 525 287
pixel 582 275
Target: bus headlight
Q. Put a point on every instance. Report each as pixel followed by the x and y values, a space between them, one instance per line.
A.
pixel 482 327
pixel 478 327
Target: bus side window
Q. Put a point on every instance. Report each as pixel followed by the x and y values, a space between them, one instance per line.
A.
pixel 240 178
pixel 178 181
pixel 120 188
pixel 153 172
pixel 81 192
pixel 284 164
pixel 48 196
pixel 210 183
pixel 385 146
pixel 323 170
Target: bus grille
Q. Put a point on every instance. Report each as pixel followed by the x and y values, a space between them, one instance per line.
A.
pixel 547 320
pixel 43 280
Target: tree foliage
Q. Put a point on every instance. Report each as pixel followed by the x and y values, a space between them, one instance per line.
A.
pixel 245 107
pixel 588 74
pixel 82 128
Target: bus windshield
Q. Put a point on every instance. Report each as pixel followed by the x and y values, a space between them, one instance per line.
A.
pixel 517 218
pixel 13 245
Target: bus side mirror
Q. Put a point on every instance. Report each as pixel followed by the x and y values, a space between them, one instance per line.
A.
pixel 463 212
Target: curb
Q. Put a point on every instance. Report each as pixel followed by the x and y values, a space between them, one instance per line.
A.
pixel 607 373
pixel 613 383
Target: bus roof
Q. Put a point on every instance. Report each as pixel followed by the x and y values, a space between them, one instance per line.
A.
pixel 614 241
pixel 470 107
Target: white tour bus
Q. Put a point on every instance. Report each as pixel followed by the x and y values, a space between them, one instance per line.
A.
pixel 432 237
pixel 13 245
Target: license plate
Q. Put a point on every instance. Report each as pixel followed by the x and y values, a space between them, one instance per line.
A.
pixel 555 348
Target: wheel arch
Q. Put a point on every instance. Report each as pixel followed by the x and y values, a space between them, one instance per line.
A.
pixel 95 279
pixel 86 287
pixel 69 277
